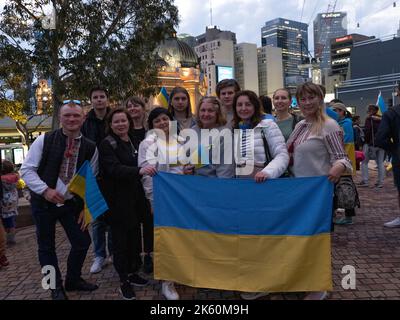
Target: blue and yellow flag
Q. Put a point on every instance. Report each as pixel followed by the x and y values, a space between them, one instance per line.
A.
pixel 85 186
pixel 239 235
pixel 380 102
pixel 163 98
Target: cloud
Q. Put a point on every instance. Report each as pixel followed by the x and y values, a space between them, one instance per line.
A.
pixel 246 17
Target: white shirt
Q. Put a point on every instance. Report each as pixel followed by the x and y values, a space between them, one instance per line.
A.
pixel 31 164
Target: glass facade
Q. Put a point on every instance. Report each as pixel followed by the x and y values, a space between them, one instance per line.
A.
pixel 285 34
pixel 328 26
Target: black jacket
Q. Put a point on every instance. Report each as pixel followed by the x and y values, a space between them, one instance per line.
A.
pixel 388 135
pixel 120 181
pixel 93 128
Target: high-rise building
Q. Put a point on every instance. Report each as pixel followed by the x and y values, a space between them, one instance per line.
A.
pixel 341 53
pixel 292 37
pixel 246 73
pixel 374 68
pixel 270 70
pixel 213 33
pixel 398 31
pixel 216 61
pixel 326 27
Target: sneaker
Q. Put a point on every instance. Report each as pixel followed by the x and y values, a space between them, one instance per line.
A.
pixel 4 261
pixel 393 224
pixel 127 292
pixel 169 291
pixel 110 259
pixel 362 184
pixel 318 295
pixel 378 185
pixel 80 285
pixel 58 294
pixel 344 220
pixel 97 265
pixel 137 280
pixel 148 264
pixel 253 295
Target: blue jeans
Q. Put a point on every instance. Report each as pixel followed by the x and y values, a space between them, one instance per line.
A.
pixel 99 230
pixel 45 216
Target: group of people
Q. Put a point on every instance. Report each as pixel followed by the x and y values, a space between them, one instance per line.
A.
pixel 127 147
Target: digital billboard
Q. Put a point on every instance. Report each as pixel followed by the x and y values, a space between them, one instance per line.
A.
pixel 224 72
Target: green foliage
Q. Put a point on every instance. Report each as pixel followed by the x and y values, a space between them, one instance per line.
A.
pixel 107 42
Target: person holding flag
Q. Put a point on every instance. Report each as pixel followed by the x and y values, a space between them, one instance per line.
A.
pixel 48 168
pixel 388 138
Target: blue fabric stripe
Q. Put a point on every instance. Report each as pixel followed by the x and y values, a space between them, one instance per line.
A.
pixel 294 206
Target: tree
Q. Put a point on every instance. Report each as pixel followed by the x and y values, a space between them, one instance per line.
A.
pixel 25 124
pixel 107 42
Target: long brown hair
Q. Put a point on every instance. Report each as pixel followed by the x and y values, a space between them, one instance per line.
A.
pixel 255 101
pixel 171 96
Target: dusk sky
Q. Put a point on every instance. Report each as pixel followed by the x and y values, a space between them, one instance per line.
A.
pixel 246 17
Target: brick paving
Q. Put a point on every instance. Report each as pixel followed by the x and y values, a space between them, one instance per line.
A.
pixel 372 249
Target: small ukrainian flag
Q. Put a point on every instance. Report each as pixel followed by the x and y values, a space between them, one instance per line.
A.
pixel 85 186
pixel 381 104
pixel 163 97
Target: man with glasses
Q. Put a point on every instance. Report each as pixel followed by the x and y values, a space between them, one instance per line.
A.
pixel 94 128
pixel 48 168
pixel 388 138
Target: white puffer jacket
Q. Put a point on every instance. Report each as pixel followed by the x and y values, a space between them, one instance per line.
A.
pixel 277 148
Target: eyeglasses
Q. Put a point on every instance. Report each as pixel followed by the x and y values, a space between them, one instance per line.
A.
pixel 78 102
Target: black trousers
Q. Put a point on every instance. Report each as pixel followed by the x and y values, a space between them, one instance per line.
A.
pixel 148 229
pixel 46 215
pixel 126 249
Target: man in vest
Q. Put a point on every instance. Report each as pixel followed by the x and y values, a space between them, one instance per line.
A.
pixel 388 138
pixel 94 128
pixel 49 166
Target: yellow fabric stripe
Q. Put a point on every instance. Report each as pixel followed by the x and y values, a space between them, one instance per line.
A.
pixel 244 263
pixel 78 186
pixel 351 153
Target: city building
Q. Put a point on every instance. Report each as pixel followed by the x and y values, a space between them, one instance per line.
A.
pixel 246 68
pixel 188 39
pixel 340 54
pixel 216 62
pixel 326 27
pixel 292 37
pixel 213 33
pixel 178 65
pixel 375 68
pixel 270 70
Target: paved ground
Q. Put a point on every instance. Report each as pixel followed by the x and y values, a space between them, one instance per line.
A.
pixel 372 249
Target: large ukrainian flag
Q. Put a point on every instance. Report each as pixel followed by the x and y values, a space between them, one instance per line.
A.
pixel 238 235
pixel 84 184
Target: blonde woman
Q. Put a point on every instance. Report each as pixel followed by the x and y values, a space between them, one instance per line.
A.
pixel 210 117
pixel 316 145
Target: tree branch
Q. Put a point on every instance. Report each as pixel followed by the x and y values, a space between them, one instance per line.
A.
pixel 18 2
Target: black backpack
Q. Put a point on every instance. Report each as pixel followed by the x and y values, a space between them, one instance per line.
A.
pixel 346 194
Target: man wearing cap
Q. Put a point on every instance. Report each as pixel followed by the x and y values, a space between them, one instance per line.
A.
pixel 388 138
pixel 49 166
